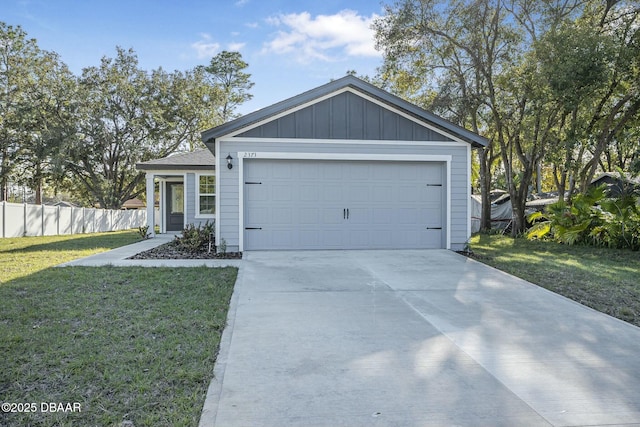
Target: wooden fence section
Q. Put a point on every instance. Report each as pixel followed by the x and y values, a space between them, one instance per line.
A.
pixel 22 219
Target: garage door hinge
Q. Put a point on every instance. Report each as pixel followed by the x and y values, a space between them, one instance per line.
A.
pixel 434 185
pixel 248 182
pixel 434 228
pixel 253 228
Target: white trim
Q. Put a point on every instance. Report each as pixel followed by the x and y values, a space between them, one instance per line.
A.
pixel 173 172
pixel 162 187
pixel 184 201
pixel 331 95
pixel 240 203
pixel 216 216
pixel 248 155
pixel 393 143
pixel 469 193
pixel 448 202
pixel 251 155
pixel 150 191
pixel 197 214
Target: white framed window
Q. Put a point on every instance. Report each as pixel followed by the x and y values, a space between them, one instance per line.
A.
pixel 205 196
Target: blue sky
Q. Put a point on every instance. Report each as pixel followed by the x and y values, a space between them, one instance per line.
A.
pixel 291 45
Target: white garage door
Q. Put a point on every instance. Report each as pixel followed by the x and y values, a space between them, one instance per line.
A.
pixel 311 204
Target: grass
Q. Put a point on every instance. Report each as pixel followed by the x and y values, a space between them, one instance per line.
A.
pixel 607 280
pixel 21 256
pixel 133 346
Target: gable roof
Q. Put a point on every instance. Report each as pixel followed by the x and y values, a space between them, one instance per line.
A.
pixel 358 85
pixel 201 159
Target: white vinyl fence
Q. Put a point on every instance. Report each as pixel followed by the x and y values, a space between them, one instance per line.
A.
pixel 22 219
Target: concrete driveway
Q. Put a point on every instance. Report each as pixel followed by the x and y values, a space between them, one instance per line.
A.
pixel 414 338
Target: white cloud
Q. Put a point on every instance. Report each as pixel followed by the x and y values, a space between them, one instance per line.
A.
pixel 241 3
pixel 324 37
pixel 236 46
pixel 205 47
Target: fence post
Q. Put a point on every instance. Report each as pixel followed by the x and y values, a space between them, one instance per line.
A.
pixel 42 220
pixel 24 219
pixel 4 218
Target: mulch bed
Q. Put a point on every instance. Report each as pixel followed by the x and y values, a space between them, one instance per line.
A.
pixel 173 251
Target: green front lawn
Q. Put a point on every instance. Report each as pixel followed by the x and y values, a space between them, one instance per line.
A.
pixel 21 256
pixel 133 345
pixel 607 280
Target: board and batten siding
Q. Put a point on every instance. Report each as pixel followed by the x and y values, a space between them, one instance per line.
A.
pixel 345 116
pixel 228 180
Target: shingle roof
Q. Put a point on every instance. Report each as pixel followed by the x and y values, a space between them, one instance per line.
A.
pixel 201 159
pixel 476 140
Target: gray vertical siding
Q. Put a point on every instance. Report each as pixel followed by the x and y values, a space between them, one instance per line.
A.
pixel 345 116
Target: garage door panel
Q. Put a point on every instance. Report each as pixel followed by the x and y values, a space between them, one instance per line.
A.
pixel 281 216
pixel 331 171
pixel 303 204
pixel 331 216
pixel 357 193
pixel 359 216
pixel 332 239
pixel 308 216
pixel 331 192
pixel 382 216
pixel 309 192
pixel 282 193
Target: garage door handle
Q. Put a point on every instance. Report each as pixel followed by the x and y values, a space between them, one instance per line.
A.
pixel 347 213
pixel 434 185
pixel 253 228
pixel 344 213
pixel 248 182
pixel 434 228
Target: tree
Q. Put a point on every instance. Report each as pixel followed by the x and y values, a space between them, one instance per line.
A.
pixel 51 119
pixel 588 65
pixel 18 55
pixel 444 56
pixel 226 72
pixel 532 76
pixel 128 115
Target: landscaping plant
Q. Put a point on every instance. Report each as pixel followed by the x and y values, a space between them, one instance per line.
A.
pixel 590 218
pixel 194 238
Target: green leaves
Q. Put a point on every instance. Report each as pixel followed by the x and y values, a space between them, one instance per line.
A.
pixel 89 132
pixel 590 218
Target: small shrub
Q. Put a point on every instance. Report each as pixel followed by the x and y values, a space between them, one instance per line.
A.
pixel 195 238
pixel 144 232
pixel 222 247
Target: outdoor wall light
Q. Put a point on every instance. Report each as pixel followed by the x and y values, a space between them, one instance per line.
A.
pixel 229 164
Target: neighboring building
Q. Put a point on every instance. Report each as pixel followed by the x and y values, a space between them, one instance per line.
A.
pixel 343 166
pixel 617 184
pixel 133 204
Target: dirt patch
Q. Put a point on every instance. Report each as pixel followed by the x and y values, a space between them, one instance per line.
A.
pixel 173 251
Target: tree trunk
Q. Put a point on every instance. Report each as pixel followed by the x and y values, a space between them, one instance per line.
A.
pixel 485 182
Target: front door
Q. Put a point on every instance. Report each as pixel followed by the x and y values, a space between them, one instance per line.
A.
pixel 175 206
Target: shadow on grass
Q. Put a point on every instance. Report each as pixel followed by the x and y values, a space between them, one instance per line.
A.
pixel 76 242
pixel 134 344
pixel 607 280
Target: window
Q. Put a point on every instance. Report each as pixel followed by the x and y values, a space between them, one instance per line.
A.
pixel 206 195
